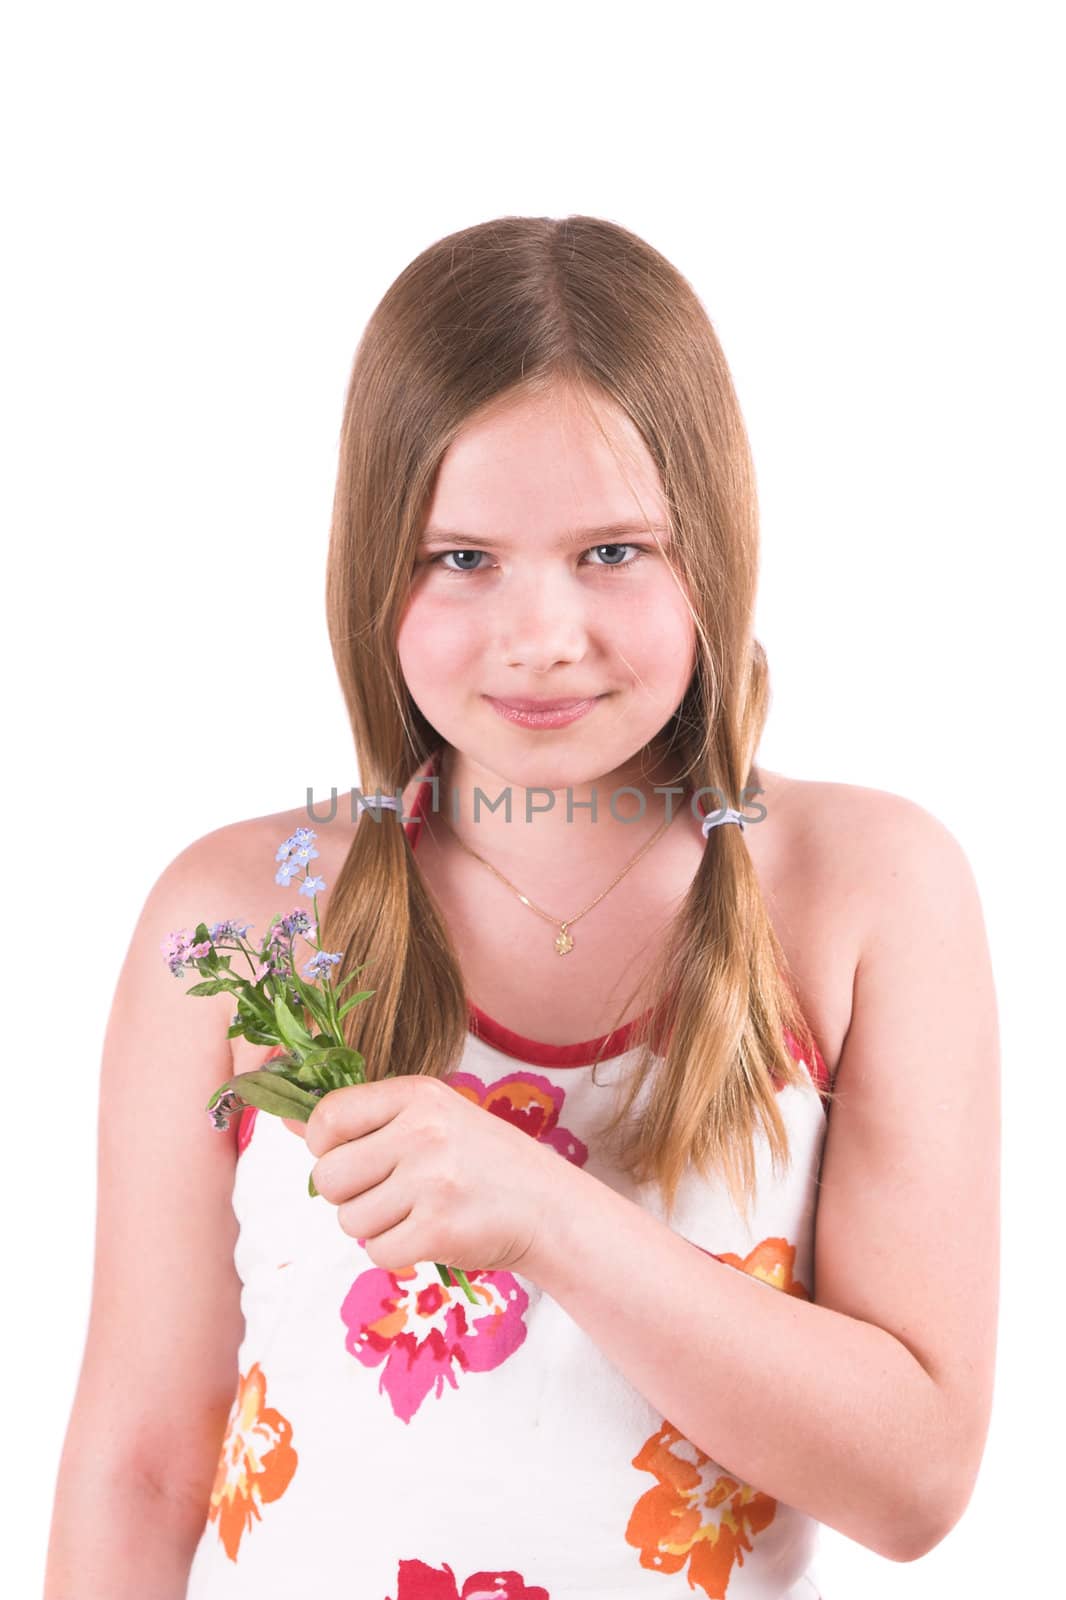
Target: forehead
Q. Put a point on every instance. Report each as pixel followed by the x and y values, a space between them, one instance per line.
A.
pixel 540 464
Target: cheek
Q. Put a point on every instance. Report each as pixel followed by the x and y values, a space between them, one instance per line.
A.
pixel 430 647
pixel 658 637
pixel 650 627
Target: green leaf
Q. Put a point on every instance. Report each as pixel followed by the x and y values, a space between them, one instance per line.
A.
pixel 253 1005
pixel 294 1034
pixel 354 1000
pixel 285 1064
pixel 269 1091
pixel 307 1072
pixel 214 986
pixel 348 1061
pixel 316 1003
pixel 335 1067
pixel 258 1036
pixel 312 1191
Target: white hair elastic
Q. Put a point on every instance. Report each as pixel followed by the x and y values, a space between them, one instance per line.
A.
pixel 714 820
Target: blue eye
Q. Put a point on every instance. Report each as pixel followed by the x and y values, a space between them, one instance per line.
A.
pixel 437 560
pixel 620 566
pixel 610 566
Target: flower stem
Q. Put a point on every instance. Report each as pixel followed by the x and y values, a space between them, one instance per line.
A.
pixel 327 982
pixel 458 1274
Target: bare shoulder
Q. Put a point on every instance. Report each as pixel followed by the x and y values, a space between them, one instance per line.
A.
pixel 846 870
pixel 861 848
pixel 241 859
pixel 815 805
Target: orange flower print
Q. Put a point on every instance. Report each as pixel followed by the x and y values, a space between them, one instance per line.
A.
pixel 771 1260
pixel 697 1512
pixel 256 1463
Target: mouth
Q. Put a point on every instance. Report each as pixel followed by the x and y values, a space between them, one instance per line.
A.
pixel 545 705
pixel 543 713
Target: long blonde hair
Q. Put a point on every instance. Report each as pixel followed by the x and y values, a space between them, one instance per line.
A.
pixel 515 306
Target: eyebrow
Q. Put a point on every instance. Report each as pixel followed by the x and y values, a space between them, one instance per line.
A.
pixel 605 533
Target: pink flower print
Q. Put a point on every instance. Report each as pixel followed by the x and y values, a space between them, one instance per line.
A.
pixel 416 1581
pixel 528 1100
pixel 410 1322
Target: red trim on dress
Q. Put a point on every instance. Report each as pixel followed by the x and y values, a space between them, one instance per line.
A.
pixel 535 1051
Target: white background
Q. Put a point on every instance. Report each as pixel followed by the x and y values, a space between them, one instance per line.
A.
pixel 204 204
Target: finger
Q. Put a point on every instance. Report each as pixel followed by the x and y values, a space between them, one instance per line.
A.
pixel 348 1113
pixel 350 1169
pixel 294 1126
pixel 381 1210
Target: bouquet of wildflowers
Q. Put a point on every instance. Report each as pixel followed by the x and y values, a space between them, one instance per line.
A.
pixel 276 1006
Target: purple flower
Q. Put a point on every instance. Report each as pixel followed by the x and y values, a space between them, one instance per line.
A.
pixel 296 841
pixel 277 968
pixel 296 922
pixel 225 1107
pixel 299 845
pixel 175 949
pixel 320 964
pixel 312 886
pixel 297 850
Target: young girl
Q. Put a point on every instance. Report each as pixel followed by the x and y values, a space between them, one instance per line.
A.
pixel 695 1065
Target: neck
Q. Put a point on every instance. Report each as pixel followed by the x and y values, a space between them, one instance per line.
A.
pixel 590 825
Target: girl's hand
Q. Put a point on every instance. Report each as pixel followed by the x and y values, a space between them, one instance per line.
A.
pixel 421 1173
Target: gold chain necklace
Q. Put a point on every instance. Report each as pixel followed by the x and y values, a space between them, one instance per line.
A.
pixel 564 941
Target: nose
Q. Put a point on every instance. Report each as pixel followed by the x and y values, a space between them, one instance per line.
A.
pixel 542 621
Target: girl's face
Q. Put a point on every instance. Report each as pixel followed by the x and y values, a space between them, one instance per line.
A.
pixel 535 580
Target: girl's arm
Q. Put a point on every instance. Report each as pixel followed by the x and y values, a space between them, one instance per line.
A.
pixel 159 1367
pixel 867 1407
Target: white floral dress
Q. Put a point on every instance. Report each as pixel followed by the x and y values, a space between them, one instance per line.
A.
pixel 390 1441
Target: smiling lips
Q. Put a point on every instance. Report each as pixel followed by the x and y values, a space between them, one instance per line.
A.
pixel 542 713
